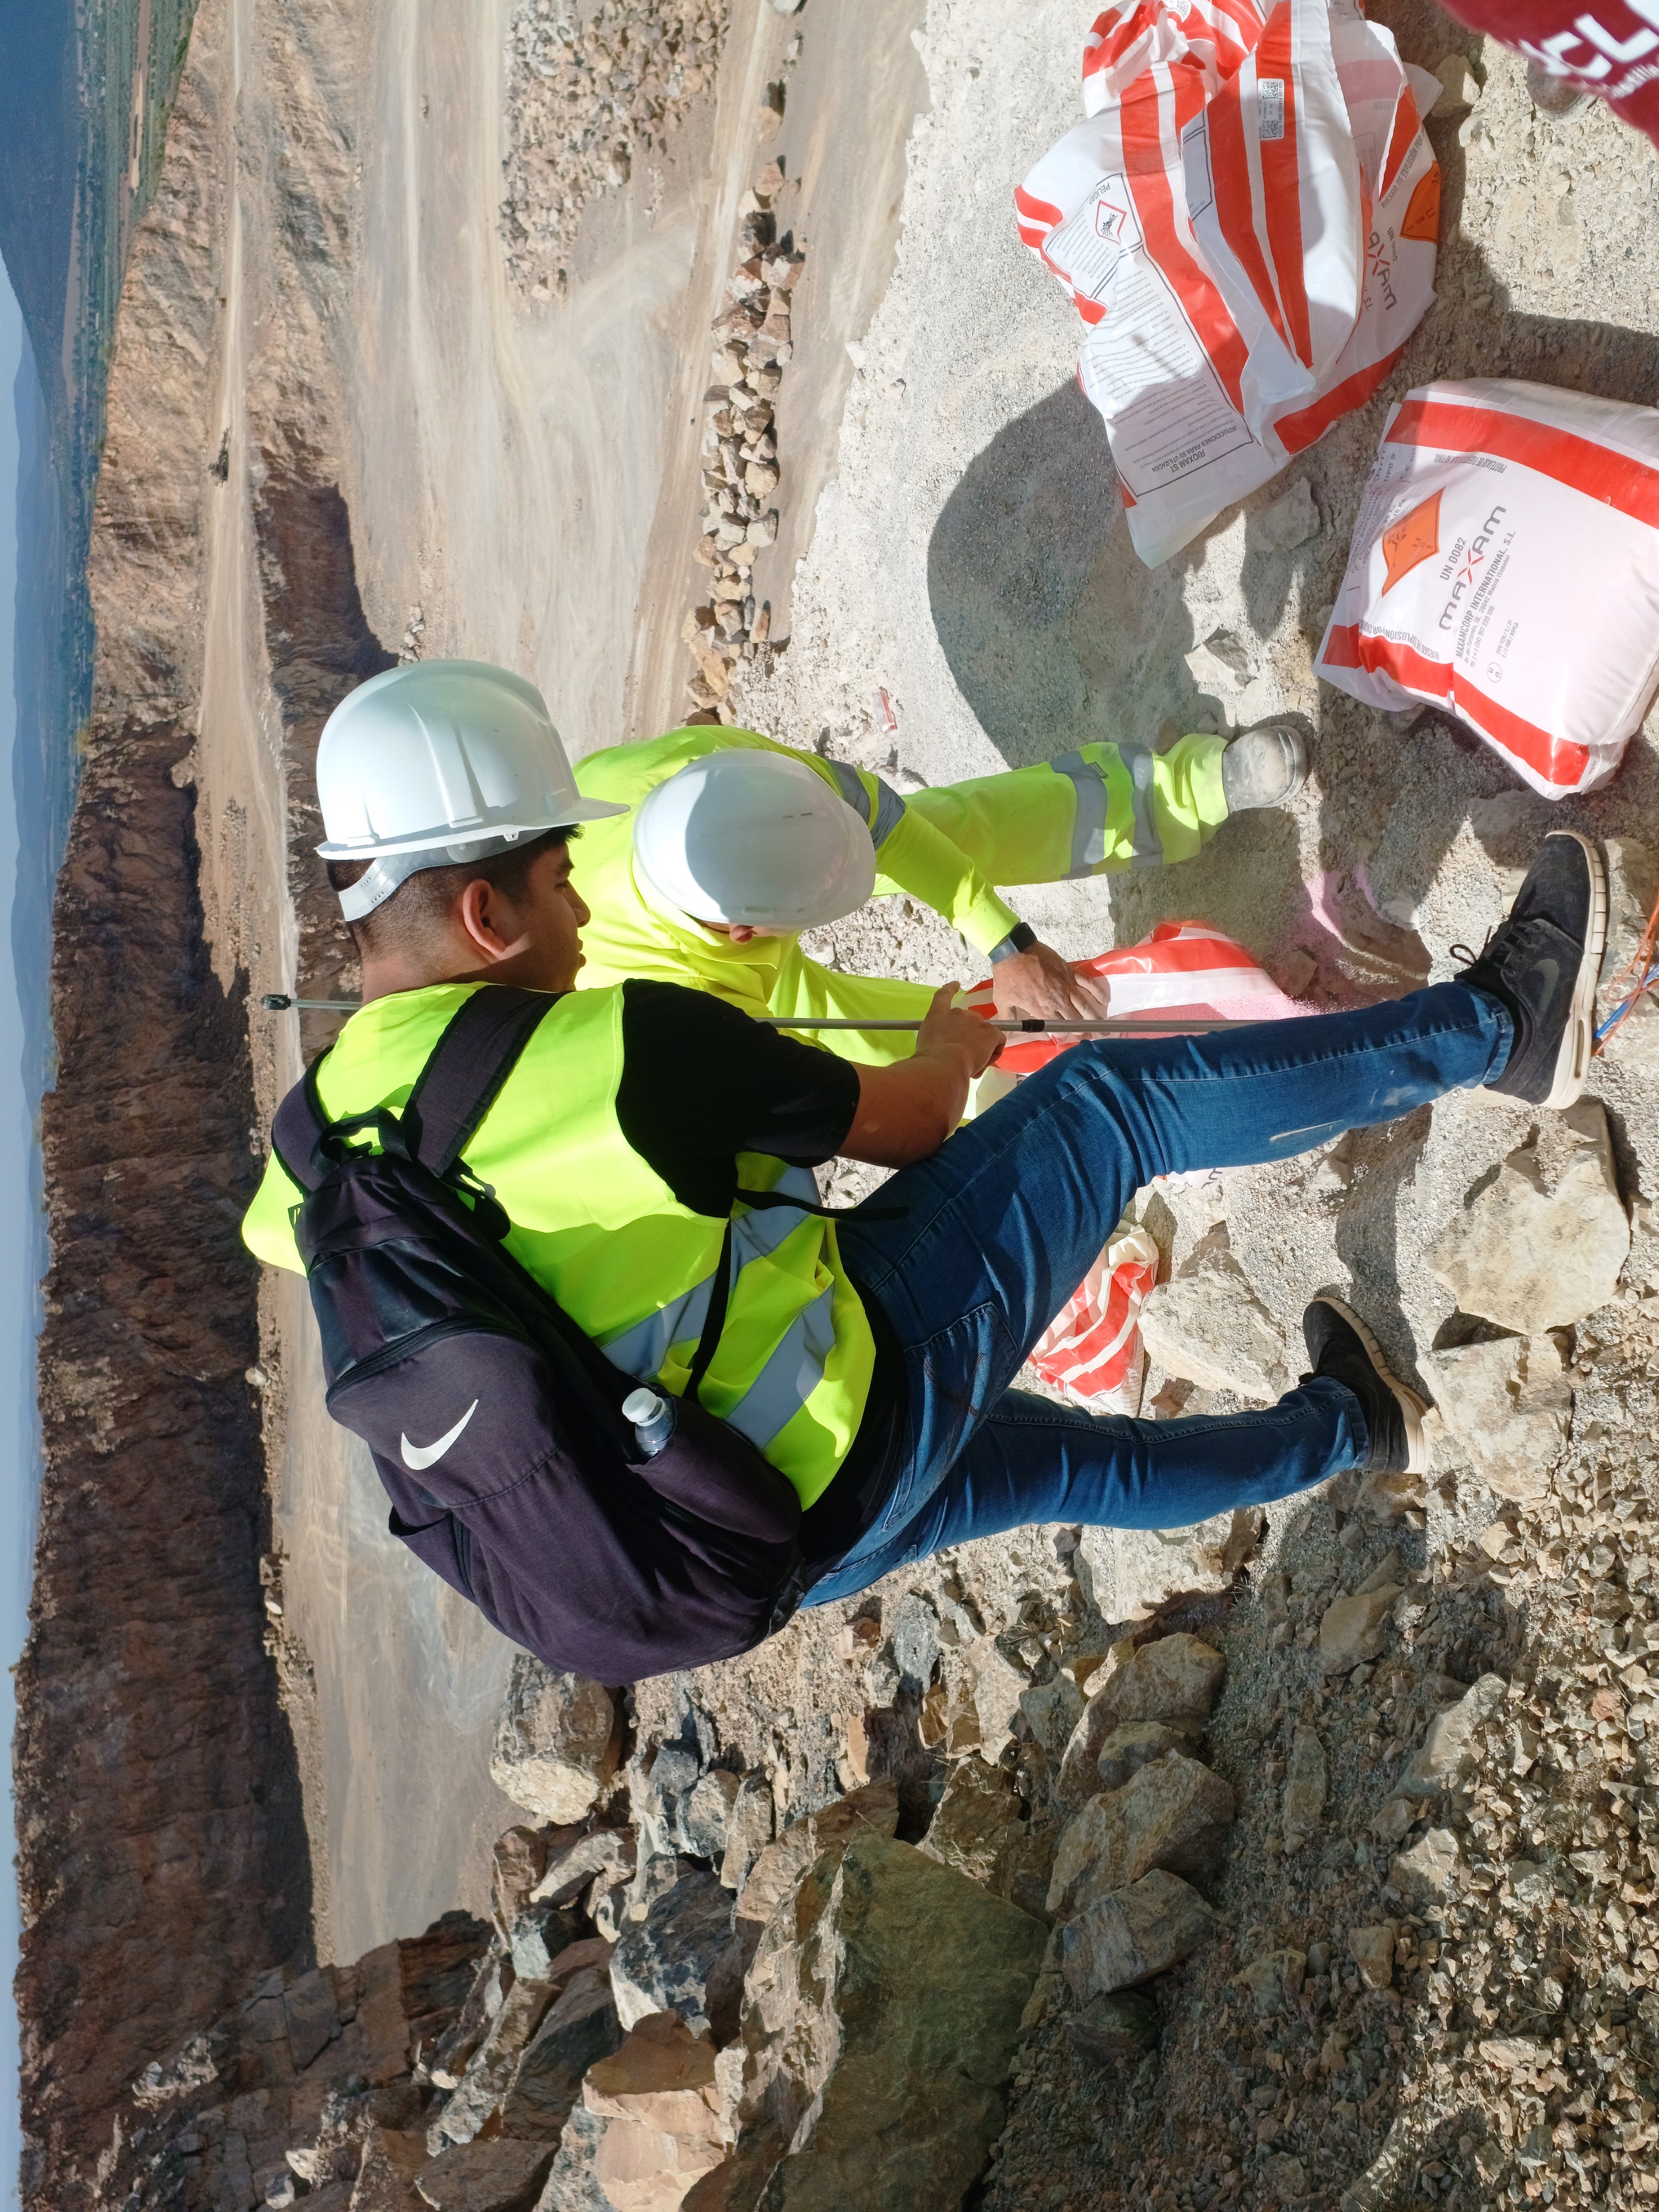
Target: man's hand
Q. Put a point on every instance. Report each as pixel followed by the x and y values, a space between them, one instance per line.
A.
pixel 908 1110
pixel 1039 985
pixel 949 1031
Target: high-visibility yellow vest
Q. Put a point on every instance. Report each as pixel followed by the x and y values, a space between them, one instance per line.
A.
pixel 597 1226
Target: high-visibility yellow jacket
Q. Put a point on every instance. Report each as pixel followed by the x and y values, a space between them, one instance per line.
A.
pixel 595 1224
pixel 1102 808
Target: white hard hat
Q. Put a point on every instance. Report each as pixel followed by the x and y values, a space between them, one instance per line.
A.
pixel 436 763
pixel 750 836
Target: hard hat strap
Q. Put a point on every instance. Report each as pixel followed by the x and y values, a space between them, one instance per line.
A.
pixel 389 871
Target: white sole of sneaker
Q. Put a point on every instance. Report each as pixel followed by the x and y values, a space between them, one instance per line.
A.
pixel 1412 1407
pixel 1572 1061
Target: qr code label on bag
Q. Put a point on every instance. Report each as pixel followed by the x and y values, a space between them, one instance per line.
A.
pixel 1270 107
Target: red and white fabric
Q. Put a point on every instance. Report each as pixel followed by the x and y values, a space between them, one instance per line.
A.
pixel 1505 566
pixel 1184 969
pixel 1246 223
pixel 1092 1350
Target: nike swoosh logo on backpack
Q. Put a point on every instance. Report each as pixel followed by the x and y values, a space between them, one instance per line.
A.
pixel 424 1456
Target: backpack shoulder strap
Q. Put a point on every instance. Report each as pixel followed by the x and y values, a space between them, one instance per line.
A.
pixel 465 1070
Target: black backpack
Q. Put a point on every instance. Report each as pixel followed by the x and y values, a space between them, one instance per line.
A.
pixel 494 1422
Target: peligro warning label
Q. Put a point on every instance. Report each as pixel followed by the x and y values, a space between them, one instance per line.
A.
pixel 1144 369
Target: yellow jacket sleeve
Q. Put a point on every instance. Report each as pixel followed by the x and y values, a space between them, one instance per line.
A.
pixel 917 858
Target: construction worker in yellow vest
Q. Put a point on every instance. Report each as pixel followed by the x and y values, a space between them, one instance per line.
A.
pixel 733 843
pixel 649 1151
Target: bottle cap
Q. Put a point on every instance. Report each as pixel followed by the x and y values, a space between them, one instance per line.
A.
pixel 642 1406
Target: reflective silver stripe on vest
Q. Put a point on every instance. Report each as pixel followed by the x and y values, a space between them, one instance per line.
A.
pixel 1089 829
pixel 790 1376
pixel 641 1351
pixel 1142 767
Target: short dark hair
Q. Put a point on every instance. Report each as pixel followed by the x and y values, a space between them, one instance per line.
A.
pixel 418 906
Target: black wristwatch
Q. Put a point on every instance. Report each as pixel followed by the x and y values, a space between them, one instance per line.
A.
pixel 1020 939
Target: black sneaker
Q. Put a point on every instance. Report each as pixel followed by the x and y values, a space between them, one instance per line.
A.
pixel 1340 1346
pixel 1541 965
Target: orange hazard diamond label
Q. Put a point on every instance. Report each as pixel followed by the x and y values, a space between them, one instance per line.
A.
pixel 1414 537
pixel 1423 214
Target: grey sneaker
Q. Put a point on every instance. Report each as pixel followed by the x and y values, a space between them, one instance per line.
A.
pixel 1263 768
pixel 1340 1346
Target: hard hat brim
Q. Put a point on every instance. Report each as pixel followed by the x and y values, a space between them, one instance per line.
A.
pixel 434 840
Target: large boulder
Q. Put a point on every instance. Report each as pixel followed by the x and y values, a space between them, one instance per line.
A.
pixel 496 2176
pixel 1210 1327
pixel 1174 1679
pixel 778 1869
pixel 683 1957
pixel 556 1742
pixel 978 1827
pixel 1541 1246
pixel 1509 1404
pixel 1127 1573
pixel 1133 1933
pixel 579 2028
pixel 1175 1813
pixel 660 2095
pixel 880 2019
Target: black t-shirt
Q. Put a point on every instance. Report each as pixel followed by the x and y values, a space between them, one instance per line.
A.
pixel 703 1082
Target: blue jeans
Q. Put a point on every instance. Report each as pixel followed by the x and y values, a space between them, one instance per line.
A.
pixel 1000 1226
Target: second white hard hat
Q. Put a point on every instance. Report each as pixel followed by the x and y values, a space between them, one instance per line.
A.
pixel 750 836
pixel 439 762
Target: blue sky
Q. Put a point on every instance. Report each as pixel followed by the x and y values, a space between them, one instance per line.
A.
pixel 17 1291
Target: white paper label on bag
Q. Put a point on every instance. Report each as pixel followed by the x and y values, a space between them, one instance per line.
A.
pixel 1270 107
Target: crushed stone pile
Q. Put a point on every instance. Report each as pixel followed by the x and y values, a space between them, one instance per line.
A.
pixel 588 91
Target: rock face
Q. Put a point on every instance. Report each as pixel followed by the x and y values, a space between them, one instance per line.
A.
pixel 1174 1813
pixel 1509 1404
pixel 683 1957
pixel 660 2095
pixel 1542 1246
pixel 1211 1328
pixel 1130 1572
pixel 1133 1933
pixel 311 2079
pixel 554 1742
pixel 882 2015
pixel 579 2028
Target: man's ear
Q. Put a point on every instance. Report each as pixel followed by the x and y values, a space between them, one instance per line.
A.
pixel 482 915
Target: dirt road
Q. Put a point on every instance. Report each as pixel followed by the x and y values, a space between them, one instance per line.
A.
pixel 519 483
